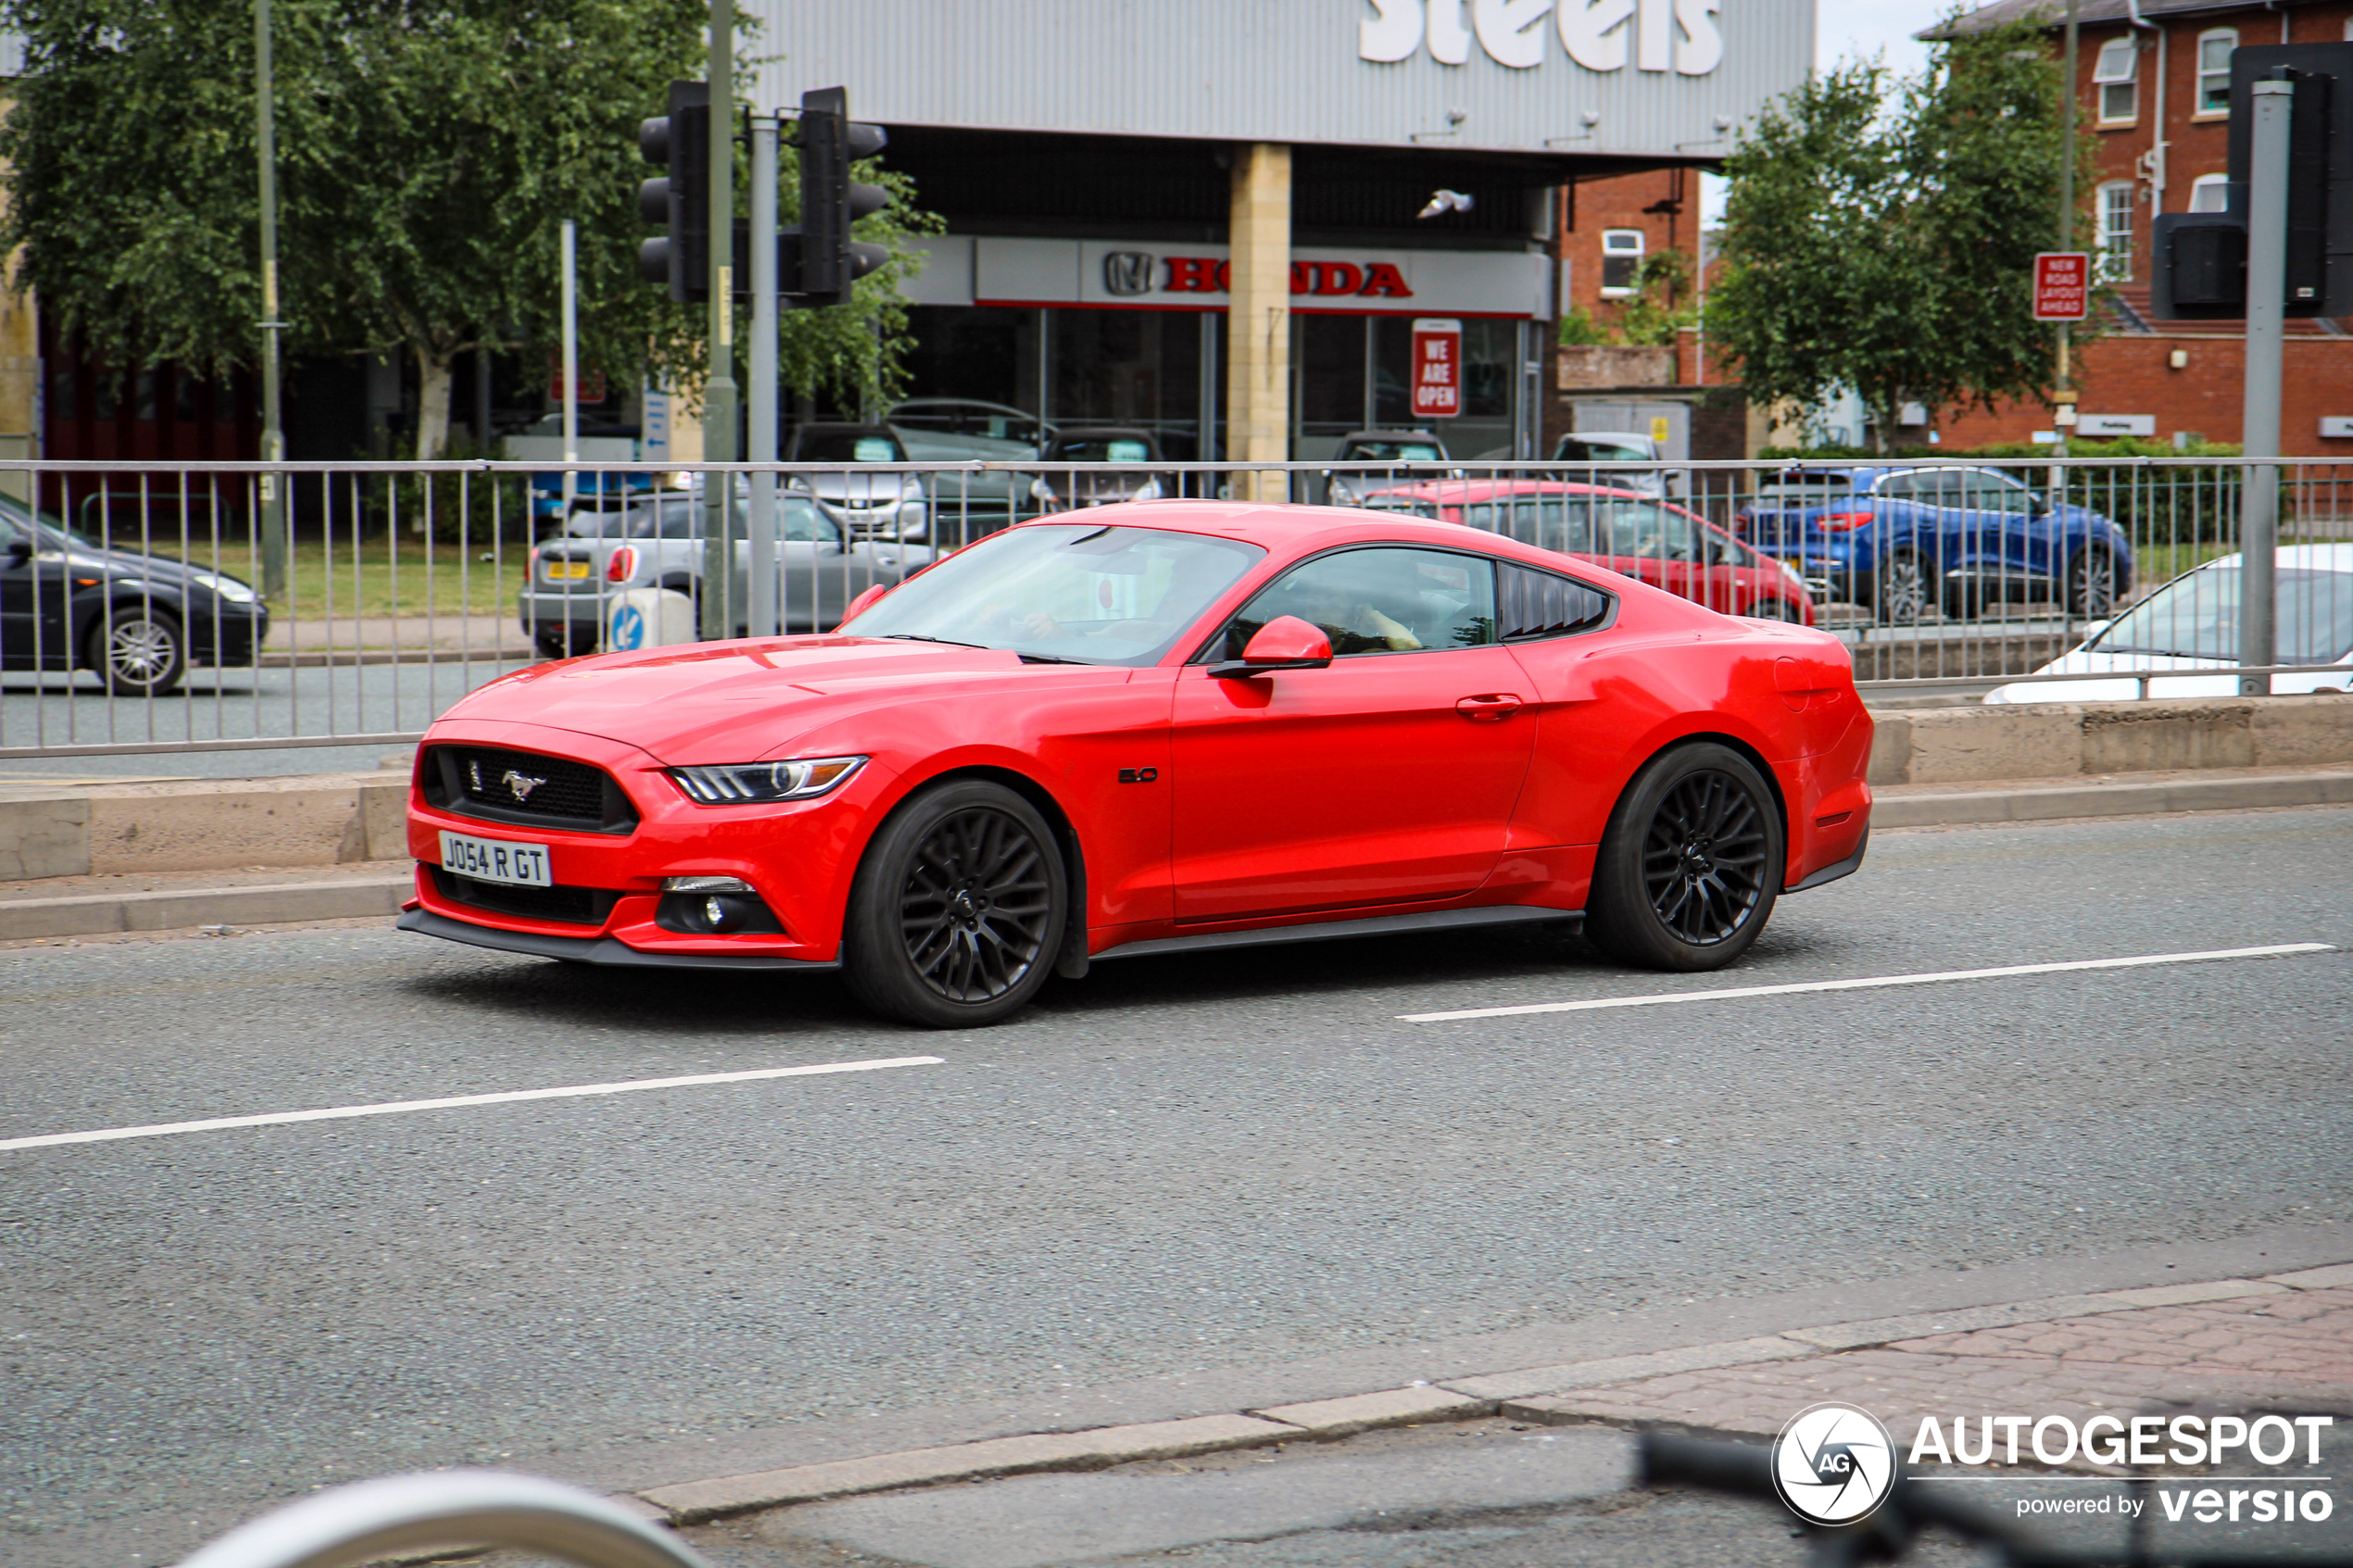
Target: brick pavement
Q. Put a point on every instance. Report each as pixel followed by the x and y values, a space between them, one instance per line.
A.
pixel 2285 1345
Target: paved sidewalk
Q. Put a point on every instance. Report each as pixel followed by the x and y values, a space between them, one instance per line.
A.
pixel 2284 1343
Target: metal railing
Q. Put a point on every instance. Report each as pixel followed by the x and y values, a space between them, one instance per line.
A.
pixel 450 1509
pixel 140 629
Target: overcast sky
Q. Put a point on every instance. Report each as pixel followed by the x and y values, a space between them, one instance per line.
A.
pixel 1849 29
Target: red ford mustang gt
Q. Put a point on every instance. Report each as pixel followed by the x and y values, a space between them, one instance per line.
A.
pixel 1151 728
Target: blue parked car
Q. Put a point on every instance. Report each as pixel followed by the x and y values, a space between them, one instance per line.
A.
pixel 1904 542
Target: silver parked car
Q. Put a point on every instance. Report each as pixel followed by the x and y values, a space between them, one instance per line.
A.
pixel 1392 450
pixel 660 545
pixel 1594 452
pixel 876 503
pixel 1130 445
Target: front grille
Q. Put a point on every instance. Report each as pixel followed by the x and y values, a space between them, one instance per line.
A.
pixel 571 906
pixel 526 787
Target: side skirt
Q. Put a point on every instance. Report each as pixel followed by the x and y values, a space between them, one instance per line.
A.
pixel 592 949
pixel 1326 931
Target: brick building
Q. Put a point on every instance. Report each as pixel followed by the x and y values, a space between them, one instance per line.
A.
pixel 2153 83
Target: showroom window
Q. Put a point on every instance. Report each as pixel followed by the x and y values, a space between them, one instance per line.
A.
pixel 2114 76
pixel 1621 262
pixel 2214 70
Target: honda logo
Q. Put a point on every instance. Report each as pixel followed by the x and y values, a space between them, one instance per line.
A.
pixel 1128 272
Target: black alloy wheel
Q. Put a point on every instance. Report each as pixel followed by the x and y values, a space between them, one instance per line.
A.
pixel 139 650
pixel 1903 594
pixel 2090 584
pixel 959 908
pixel 1690 864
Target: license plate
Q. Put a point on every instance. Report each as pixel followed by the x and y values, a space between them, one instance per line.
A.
pixel 496 859
pixel 567 570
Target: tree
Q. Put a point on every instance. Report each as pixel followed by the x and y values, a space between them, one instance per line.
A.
pixel 1886 242
pixel 429 151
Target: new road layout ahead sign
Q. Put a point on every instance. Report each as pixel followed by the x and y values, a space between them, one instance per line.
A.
pixel 2062 285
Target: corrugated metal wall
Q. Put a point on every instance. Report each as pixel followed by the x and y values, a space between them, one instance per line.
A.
pixel 1277 70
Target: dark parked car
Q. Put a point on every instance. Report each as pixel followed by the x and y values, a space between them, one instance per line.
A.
pixel 1904 542
pixel 1102 443
pixel 139 620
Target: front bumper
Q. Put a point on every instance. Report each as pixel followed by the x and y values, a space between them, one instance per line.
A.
pixel 798 857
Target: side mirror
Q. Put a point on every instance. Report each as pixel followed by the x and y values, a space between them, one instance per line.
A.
pixel 1284 643
pixel 864 602
pixel 20 550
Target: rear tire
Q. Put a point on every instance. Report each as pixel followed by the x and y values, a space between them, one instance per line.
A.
pixel 1690 864
pixel 1901 593
pixel 958 909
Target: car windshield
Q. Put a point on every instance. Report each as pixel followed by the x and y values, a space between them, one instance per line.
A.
pixel 847 446
pixel 2197 616
pixel 1101 450
pixel 1093 596
pixel 1575 450
pixel 1395 451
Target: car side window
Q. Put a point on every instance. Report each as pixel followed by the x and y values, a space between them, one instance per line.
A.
pixel 1993 492
pixel 1531 604
pixel 804 524
pixel 1382 599
pixel 1643 528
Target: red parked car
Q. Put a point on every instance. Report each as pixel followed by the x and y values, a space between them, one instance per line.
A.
pixel 1655 541
pixel 1151 728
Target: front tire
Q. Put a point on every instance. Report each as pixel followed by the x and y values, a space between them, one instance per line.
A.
pixel 958 909
pixel 137 650
pixel 1690 864
pixel 2090 584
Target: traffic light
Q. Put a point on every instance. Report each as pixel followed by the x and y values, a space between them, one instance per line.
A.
pixel 828 260
pixel 680 201
pixel 2199 258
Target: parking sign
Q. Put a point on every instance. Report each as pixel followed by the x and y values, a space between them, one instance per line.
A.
pixel 2062 285
pixel 1438 368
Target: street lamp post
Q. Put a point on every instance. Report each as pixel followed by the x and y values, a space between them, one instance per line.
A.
pixel 273 434
pixel 2064 420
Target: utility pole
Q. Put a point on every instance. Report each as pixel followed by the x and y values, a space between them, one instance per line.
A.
pixel 761 619
pixel 719 397
pixel 2063 421
pixel 2273 109
pixel 274 433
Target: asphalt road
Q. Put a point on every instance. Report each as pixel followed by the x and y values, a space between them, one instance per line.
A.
pixel 1175 1164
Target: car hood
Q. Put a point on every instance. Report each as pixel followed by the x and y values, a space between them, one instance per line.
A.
pixel 122 564
pixel 855 487
pixel 751 698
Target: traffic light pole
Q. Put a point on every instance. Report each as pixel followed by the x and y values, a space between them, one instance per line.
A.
pixel 273 431
pixel 762 620
pixel 718 395
pixel 2274 107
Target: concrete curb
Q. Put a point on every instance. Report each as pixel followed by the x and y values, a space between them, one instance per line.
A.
pixel 1522 1395
pixel 1959 808
pixel 182 908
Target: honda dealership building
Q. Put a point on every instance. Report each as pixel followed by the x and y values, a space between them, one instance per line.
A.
pixel 1219 221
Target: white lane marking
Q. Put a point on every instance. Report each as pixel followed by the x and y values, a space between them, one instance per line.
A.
pixel 391 1107
pixel 2283 950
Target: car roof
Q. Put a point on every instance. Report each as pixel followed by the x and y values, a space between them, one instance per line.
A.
pixel 1289 527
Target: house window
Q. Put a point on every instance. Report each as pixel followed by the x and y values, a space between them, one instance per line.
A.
pixel 2210 192
pixel 2116 231
pixel 1621 262
pixel 2114 75
pixel 2214 70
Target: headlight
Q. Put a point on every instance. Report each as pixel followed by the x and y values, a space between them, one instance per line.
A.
pixel 911 514
pixel 741 783
pixel 1040 490
pixel 1150 491
pixel 228 588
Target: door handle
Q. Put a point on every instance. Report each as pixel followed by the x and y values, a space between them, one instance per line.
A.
pixel 1489 708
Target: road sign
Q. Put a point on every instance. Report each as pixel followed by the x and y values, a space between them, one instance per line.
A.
pixel 2062 285
pixel 1438 368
